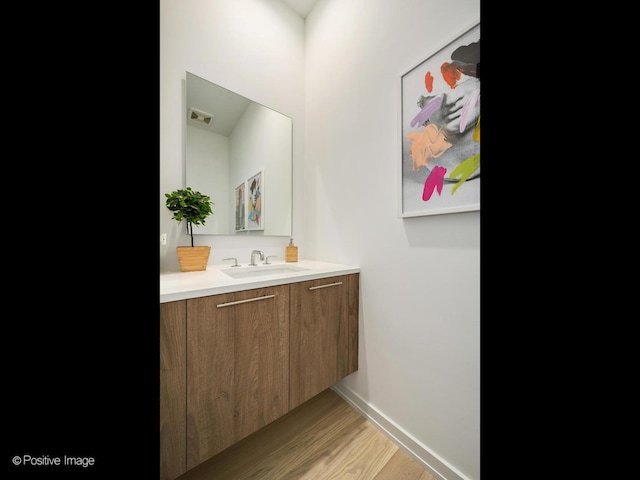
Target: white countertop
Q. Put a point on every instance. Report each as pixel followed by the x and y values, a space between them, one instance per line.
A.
pixel 212 281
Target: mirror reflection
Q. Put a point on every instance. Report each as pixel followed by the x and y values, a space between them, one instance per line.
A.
pixel 238 152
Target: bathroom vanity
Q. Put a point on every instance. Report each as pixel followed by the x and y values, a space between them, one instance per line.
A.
pixel 241 347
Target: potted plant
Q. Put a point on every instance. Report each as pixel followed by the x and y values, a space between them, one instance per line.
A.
pixel 193 207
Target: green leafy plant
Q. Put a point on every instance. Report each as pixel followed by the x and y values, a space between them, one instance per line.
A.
pixel 189 205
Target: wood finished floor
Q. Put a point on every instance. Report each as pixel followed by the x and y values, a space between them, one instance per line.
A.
pixel 323 439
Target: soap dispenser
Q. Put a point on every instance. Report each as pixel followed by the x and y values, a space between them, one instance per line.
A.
pixel 291 252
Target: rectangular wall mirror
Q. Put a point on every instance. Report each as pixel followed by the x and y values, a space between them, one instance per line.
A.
pixel 240 153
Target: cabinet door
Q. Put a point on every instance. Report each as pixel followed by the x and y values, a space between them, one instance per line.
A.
pixel 320 342
pixel 237 367
pixel 173 384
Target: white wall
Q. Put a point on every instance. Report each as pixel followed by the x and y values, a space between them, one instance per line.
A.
pixel 338 78
pixel 420 277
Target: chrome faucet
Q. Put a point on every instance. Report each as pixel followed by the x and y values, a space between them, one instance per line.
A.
pixel 253 257
pixel 234 259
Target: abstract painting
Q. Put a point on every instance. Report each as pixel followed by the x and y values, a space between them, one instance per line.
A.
pixel 440 112
pixel 255 190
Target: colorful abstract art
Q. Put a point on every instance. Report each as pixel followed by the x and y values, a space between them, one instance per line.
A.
pixel 255 190
pixel 440 102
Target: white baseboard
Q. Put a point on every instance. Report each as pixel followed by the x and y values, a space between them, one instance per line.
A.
pixel 421 454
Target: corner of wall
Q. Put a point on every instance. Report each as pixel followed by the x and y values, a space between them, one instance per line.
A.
pixel 429 460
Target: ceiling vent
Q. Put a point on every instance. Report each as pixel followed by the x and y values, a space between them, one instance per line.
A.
pixel 200 117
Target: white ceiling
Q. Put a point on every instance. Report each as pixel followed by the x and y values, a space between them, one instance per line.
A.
pixel 301 7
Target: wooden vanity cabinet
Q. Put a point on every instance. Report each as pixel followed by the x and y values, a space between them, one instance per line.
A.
pixel 237 367
pixel 324 334
pixel 232 363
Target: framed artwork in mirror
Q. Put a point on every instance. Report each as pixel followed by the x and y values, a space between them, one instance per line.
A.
pixel 255 202
pixel 240 202
pixel 440 132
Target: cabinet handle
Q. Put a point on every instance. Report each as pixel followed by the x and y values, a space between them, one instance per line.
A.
pixel 244 301
pixel 325 286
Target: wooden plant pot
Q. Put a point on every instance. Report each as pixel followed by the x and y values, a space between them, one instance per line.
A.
pixel 193 259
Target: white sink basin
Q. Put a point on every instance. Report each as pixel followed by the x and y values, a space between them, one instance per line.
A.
pixel 262 271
